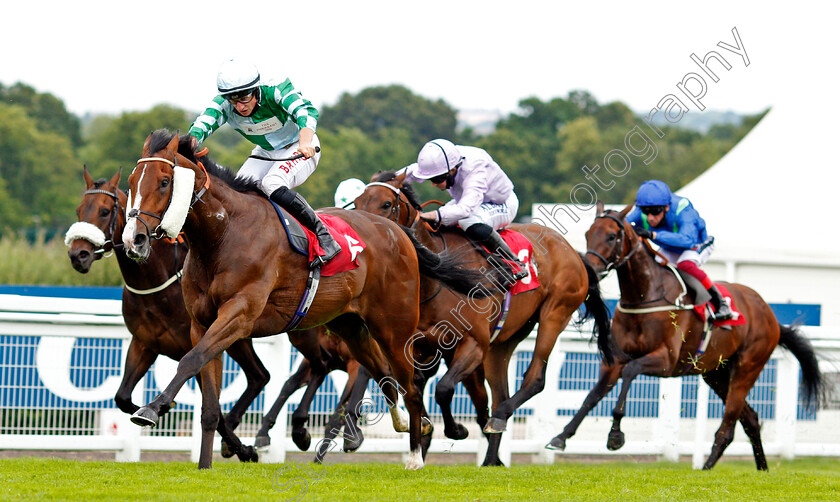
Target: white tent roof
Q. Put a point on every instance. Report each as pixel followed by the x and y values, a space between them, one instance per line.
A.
pixel 771 198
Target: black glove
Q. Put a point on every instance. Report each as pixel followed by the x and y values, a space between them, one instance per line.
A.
pixel 643 232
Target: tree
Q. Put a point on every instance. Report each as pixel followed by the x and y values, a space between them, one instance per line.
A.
pixel 46 109
pixel 377 109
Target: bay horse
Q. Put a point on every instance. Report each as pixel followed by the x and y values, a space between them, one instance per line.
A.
pixel 242 278
pixel 152 303
pixel 565 283
pixel 154 313
pixel 658 337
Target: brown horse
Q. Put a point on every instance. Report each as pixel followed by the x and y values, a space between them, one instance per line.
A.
pixel 242 278
pixel 152 304
pixel 660 338
pixel 565 284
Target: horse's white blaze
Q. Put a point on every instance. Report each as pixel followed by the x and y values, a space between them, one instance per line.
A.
pixel 400 419
pixel 131 223
pixel 414 460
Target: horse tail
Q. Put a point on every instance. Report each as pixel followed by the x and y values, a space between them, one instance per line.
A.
pixel 597 310
pixel 812 379
pixel 450 270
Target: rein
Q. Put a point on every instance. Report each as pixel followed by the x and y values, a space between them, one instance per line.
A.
pixel 622 257
pixel 112 225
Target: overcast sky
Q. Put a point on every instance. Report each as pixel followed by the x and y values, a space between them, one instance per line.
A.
pixel 121 56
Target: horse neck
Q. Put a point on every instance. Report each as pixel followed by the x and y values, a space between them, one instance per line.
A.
pixel 640 278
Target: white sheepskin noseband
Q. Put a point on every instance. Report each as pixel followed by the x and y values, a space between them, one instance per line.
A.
pixel 86 231
pixel 183 184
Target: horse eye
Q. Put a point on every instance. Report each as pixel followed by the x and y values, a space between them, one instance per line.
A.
pixel 104 212
pixel 612 237
pixel 164 182
pixel 387 205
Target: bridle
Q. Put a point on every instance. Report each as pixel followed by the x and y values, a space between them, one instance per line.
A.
pixel 394 215
pixel 196 197
pixel 112 225
pixel 624 254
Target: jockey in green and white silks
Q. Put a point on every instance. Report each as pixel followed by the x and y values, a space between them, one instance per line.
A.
pixel 280 122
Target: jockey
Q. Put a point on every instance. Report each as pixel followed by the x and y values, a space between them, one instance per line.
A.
pixel 672 222
pixel 280 122
pixel 348 191
pixel 482 195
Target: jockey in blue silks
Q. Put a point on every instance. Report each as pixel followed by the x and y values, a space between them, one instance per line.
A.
pixel 672 222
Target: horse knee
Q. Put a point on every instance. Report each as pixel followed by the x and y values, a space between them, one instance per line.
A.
pixel 444 391
pixel 210 419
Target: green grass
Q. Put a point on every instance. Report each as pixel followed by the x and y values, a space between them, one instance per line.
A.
pixel 732 480
pixel 45 262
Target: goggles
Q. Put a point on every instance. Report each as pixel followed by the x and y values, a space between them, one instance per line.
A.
pixel 652 210
pixel 240 97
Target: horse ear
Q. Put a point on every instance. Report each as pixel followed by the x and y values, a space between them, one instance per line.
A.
pixel 626 210
pixel 172 147
pixel 599 206
pixel 88 179
pixel 400 178
pixel 115 181
pixel 146 152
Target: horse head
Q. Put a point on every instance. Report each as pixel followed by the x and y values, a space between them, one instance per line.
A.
pixel 98 222
pixel 162 188
pixel 386 196
pixel 610 241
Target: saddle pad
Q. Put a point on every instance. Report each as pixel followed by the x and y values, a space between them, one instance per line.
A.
pixel 350 242
pixel 737 320
pixel 304 242
pixel 524 250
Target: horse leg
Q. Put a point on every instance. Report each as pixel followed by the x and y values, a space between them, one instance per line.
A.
pixel 533 382
pixel 474 384
pixel 336 419
pixel 300 435
pixel 138 360
pixel 652 363
pixel 735 406
pixel 211 411
pixel 295 382
pixel 467 357
pixel 242 351
pixel 496 372
pixel 353 436
pixel 609 376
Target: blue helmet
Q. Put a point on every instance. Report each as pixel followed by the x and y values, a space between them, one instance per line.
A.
pixel 653 193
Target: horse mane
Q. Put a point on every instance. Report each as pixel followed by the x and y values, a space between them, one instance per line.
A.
pixel 161 138
pixel 407 190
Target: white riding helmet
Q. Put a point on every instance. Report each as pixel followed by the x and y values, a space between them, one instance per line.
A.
pixel 237 77
pixel 347 191
pixel 437 157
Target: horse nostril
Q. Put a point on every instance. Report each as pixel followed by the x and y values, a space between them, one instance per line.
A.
pixel 139 240
pixel 83 255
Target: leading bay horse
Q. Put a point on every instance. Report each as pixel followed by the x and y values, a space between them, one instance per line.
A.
pixel 565 283
pixel 242 278
pixel 660 338
pixel 152 304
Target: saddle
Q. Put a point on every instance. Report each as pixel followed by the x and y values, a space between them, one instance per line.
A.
pixel 294 230
pixel 695 288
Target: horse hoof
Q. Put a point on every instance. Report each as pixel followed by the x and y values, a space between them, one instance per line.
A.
pixel 145 417
pixel 248 454
pixel 302 439
pixel 226 451
pixel 615 441
pixel 414 461
pixel 494 463
pixel 495 426
pixel 426 427
pixel 262 442
pixel 354 443
pixel 557 443
pixel 459 432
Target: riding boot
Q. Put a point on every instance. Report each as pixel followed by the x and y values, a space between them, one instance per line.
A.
pixel 490 239
pixel 297 206
pixel 722 309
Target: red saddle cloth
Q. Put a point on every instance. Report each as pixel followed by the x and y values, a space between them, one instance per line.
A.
pixel 737 320
pixel 523 249
pixel 350 242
